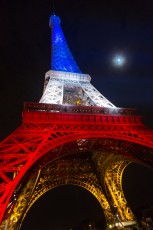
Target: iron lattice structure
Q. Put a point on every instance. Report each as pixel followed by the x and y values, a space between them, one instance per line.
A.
pixel 74 136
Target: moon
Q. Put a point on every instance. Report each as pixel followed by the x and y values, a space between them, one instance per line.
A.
pixel 119 60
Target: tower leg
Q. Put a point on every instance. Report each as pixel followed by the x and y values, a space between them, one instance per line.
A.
pixel 21 203
pixel 110 171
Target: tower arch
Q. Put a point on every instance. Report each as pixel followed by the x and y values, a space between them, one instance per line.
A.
pixel 65 206
pixel 73 170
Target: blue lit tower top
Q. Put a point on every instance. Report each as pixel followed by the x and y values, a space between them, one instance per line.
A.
pixel 65 83
pixel 61 57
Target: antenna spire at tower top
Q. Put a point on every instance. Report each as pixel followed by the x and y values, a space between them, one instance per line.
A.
pixel 53 7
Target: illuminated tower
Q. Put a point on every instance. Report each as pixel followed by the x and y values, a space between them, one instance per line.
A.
pixel 73 136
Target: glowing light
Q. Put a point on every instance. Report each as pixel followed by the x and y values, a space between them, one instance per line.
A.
pixel 61 58
pixel 119 60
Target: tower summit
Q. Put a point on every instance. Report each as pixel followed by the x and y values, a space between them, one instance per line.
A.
pixel 65 83
pixel 61 57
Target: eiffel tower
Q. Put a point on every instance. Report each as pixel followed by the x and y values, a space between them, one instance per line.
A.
pixel 74 135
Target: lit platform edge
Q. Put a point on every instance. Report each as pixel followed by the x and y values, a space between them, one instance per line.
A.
pixel 67 76
pixel 41 112
pixel 125 224
pixel 32 106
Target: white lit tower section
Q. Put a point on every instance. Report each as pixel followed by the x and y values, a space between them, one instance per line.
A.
pixel 65 83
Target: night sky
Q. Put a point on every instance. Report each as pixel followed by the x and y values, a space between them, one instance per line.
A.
pixel 95 32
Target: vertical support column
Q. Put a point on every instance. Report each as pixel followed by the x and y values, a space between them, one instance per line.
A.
pixel 113 182
pixel 53 93
pixel 20 206
pixel 98 159
pixel 106 209
pixel 110 170
pixel 96 96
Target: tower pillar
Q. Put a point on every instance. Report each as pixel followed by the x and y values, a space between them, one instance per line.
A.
pixel 110 168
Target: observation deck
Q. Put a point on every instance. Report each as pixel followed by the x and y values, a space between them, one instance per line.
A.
pixel 75 113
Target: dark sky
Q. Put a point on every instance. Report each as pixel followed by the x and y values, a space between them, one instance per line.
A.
pixel 95 32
